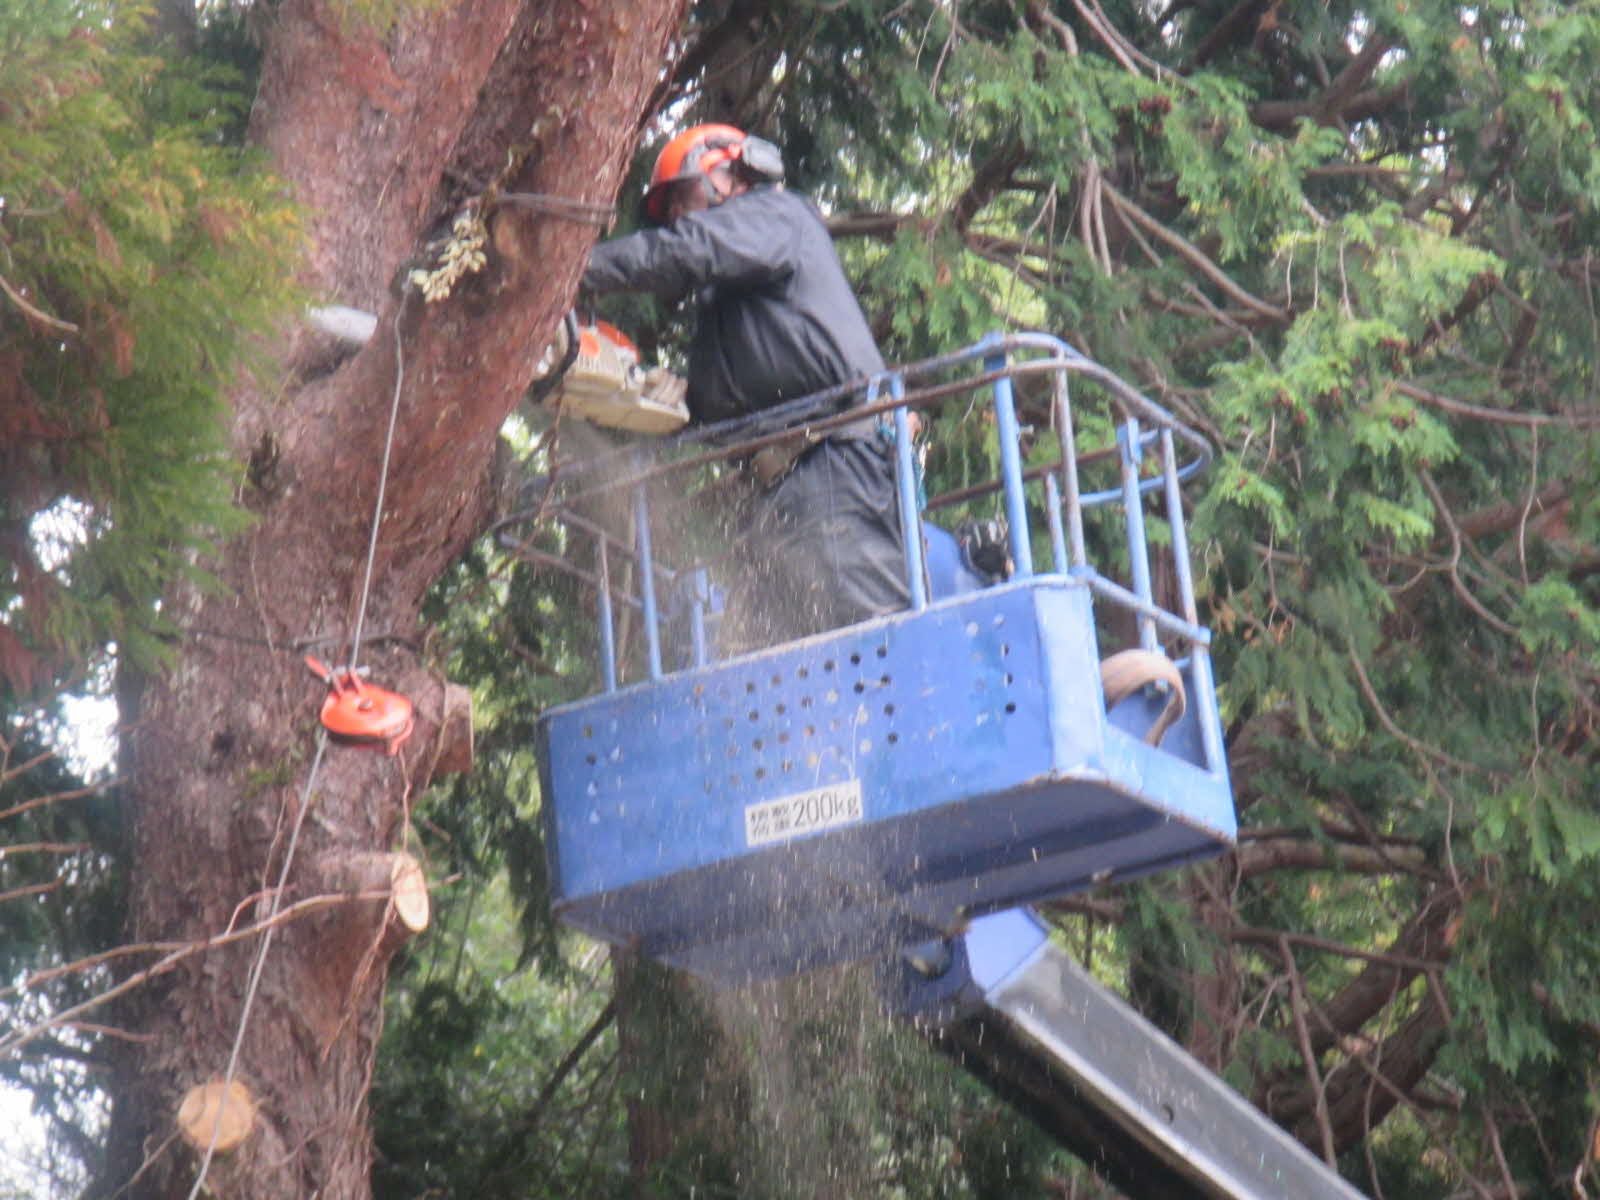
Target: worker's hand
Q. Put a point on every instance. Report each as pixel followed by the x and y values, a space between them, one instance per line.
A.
pixel 661 386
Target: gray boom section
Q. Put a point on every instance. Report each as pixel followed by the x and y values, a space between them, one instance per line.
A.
pixel 1110 1086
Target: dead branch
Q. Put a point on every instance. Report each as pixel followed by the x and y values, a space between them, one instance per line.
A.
pixel 55 797
pixel 35 314
pixel 1453 567
pixel 42 848
pixel 303 908
pixel 1263 856
pixel 1498 416
pixel 1192 254
pixel 1269 937
pixel 1297 1006
pixel 1422 748
pixel 33 889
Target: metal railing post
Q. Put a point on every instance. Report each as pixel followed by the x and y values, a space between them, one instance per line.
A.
pixel 905 478
pixel 1058 540
pixel 608 634
pixel 1129 453
pixel 1011 468
pixel 1069 467
pixel 699 600
pixel 647 579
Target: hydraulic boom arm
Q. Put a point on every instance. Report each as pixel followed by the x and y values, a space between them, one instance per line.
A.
pixel 1033 1025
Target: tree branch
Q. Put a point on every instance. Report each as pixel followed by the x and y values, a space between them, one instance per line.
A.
pixel 55 797
pixel 1422 945
pixel 1302 854
pixel 1406 1056
pixel 1453 566
pixel 1342 100
pixel 1234 25
pixel 1483 286
pixel 36 314
pixel 303 908
pixel 1421 747
pixel 1249 935
pixel 1502 517
pixel 882 225
pixel 991 178
pixel 1319 1091
pixel 1498 416
pixel 42 848
pixel 1193 255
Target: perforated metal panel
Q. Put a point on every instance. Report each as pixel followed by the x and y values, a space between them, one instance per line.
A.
pixel 822 799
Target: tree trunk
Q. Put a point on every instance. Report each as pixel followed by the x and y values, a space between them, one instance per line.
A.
pixel 382 138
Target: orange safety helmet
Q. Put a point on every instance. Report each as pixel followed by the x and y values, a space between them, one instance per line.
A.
pixel 692 154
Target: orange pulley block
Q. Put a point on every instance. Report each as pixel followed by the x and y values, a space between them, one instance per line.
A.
pixel 362 714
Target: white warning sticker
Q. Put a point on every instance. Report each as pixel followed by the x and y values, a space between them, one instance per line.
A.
pixel 804 812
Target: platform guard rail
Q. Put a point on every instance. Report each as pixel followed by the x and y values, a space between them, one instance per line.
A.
pixel 835 797
pixel 1042 789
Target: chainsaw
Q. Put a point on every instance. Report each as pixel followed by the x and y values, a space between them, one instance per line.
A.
pixel 597 377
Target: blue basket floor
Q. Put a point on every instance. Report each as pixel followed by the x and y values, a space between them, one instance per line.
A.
pixel 989 775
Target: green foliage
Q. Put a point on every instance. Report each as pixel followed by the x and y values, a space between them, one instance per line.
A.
pixel 142 254
pixel 466 1099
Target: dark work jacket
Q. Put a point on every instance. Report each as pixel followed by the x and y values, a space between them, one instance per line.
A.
pixel 776 318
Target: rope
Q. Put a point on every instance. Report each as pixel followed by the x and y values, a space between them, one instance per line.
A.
pixel 383 481
pixel 258 966
pixel 253 981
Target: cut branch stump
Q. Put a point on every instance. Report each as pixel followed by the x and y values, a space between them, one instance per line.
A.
pixel 212 1109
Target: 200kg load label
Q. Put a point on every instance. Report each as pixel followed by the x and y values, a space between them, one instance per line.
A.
pixel 804 812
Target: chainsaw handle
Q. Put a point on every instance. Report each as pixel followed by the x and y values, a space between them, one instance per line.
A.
pixel 543 386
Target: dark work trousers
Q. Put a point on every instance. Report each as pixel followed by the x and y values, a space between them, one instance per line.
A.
pixel 825 546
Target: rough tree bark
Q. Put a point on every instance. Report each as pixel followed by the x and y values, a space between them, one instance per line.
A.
pixel 382 137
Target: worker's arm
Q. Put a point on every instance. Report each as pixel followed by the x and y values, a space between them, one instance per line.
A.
pixel 745 241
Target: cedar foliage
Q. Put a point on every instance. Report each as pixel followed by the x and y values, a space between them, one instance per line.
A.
pixel 141 253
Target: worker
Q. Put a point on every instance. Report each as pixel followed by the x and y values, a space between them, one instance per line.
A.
pixel 775 320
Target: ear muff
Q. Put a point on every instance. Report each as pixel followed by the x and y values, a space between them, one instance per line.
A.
pixel 691 154
pixel 762 160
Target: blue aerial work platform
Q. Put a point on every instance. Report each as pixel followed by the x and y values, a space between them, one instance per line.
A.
pixel 902 788
pixel 846 794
